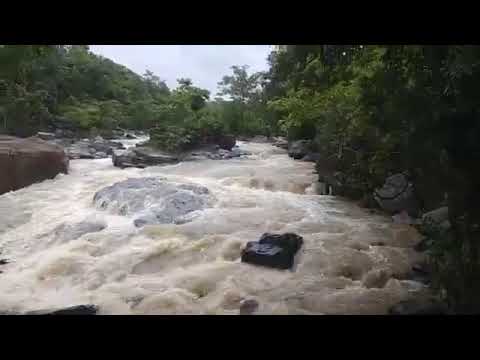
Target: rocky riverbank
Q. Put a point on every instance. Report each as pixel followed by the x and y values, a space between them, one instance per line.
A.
pixel 397 198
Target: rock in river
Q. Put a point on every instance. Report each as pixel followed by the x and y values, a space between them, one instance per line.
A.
pixel 27 161
pixel 97 148
pixel 72 310
pixel 298 149
pixel 141 157
pixel 273 250
pixel 68 232
pixel 153 200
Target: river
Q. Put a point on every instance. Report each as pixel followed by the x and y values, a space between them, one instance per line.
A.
pixel 351 261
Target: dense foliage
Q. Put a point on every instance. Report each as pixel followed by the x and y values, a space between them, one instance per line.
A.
pixel 40 84
pixel 377 110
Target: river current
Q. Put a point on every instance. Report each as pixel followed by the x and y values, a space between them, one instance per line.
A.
pixel 352 261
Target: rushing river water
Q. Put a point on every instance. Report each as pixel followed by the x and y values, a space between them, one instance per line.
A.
pixel 350 263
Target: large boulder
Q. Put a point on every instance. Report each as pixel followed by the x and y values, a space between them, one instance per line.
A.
pixel 81 150
pixel 298 149
pixel 27 161
pixel 396 195
pixel 106 146
pixel 142 157
pixel 153 200
pixel 273 250
pixel 97 148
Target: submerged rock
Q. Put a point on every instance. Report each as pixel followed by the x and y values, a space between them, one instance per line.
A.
pixel 97 148
pixel 68 232
pixel 46 135
pixel 273 250
pixel 153 200
pixel 215 154
pixel 88 309
pixel 142 157
pixel 248 306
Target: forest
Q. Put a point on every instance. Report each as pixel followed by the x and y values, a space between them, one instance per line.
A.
pixel 371 111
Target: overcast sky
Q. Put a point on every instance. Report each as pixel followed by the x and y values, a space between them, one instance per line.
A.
pixel 204 64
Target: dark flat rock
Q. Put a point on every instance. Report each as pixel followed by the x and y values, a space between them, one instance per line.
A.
pixel 273 250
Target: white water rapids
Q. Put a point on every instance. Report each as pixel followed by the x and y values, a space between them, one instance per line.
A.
pixel 350 262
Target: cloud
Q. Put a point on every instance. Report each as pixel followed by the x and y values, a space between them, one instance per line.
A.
pixel 204 64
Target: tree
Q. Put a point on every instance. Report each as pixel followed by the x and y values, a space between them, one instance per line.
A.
pixel 240 86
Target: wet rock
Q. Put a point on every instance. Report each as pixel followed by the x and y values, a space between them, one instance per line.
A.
pixel 215 154
pixel 68 232
pixel 27 161
pixel 7 312
pixel 97 148
pixel 248 306
pixel 130 136
pixel 80 150
pixel 419 307
pixel 46 136
pixel 105 146
pixel 273 250
pixel 73 310
pixel 298 149
pixel 3 261
pixel 153 200
pixel 142 157
pixel 396 195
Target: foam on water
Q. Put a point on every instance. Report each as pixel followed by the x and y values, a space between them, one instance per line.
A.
pixel 194 268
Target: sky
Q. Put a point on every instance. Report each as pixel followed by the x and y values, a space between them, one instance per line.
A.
pixel 204 64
